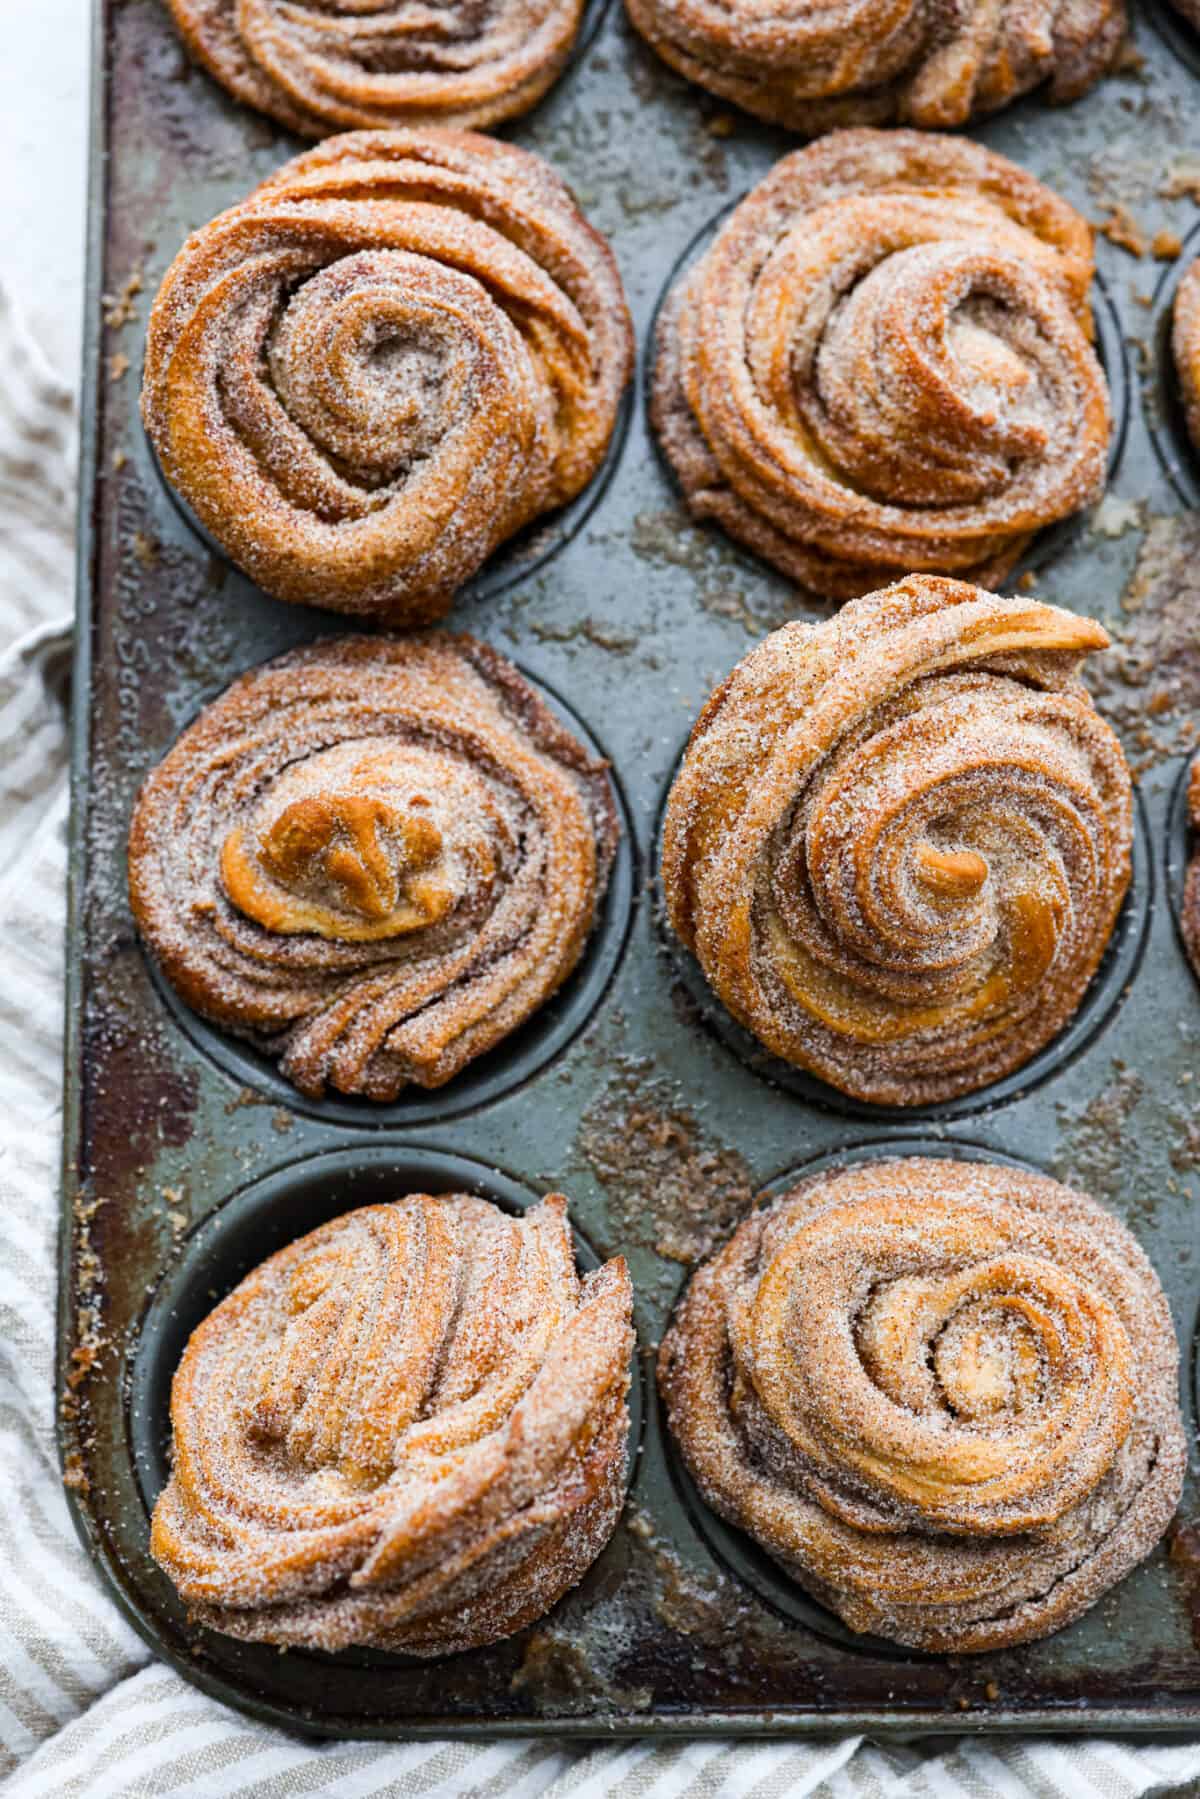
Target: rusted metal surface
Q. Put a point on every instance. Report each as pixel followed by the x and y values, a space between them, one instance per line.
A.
pixel 630 618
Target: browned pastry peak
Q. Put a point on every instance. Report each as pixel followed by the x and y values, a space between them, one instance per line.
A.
pixel 883 364
pixel 338 859
pixel 407 1430
pixel 813 66
pixel 1190 10
pixel 335 65
pixel 1185 343
pixel 899 840
pixel 373 857
pixel 403 347
pixel 943 1395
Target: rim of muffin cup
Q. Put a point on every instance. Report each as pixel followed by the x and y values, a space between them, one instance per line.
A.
pixel 1049 543
pixel 242 1229
pixel 524 1053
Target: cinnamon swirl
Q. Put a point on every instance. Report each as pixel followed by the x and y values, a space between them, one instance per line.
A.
pixel 883 364
pixel 943 1395
pixel 374 858
pixel 333 65
pixel 899 840
pixel 403 347
pixel 406 1430
pixel 811 67
pixel 1185 342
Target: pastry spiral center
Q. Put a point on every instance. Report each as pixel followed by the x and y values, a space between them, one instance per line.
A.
pixel 358 844
pixel 943 1366
pixel 937 346
pixel 956 874
pixel 378 356
pixel 975 1347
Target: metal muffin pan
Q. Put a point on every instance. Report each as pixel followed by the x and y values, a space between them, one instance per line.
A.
pixel 187 1159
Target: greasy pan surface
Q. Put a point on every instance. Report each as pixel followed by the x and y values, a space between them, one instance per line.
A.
pixel 656 1126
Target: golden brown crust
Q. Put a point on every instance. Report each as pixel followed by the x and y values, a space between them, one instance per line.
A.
pixel 406 1430
pixel 814 67
pixel 944 1395
pixel 1185 342
pixel 883 364
pixel 899 840
pixel 373 857
pixel 320 67
pixel 403 347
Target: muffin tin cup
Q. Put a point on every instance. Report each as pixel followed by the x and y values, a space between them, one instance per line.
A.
pixel 1049 542
pixel 511 1063
pixel 252 1224
pixel 1180 846
pixel 734 1548
pixel 1179 456
pixel 1103 998
pixel 1175 32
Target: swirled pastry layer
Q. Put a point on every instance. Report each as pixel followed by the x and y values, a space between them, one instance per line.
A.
pixel 335 65
pixel 943 1395
pixel 406 1430
pixel 812 65
pixel 400 349
pixel 899 840
pixel 374 858
pixel 1185 342
pixel 883 364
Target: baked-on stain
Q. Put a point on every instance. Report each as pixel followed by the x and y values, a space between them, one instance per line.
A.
pixel 1148 687
pixel 667 1186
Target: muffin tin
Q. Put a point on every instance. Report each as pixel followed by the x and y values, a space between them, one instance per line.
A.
pixel 187 1160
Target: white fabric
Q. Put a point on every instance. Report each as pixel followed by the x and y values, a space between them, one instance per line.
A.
pixel 84 1709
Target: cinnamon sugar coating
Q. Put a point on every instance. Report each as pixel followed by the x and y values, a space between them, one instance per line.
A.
pixel 1185 344
pixel 811 66
pixel 899 840
pixel 374 858
pixel 407 1430
pixel 333 65
pixel 943 1395
pixel 403 347
pixel 883 363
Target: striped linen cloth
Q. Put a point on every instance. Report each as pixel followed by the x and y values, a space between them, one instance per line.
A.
pixel 84 1709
